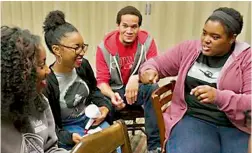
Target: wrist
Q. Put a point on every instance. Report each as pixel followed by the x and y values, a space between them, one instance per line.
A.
pixel 134 78
pixel 111 94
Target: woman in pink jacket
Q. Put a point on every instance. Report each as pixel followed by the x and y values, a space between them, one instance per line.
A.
pixel 213 89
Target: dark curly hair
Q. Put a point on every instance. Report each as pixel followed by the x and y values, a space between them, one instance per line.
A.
pixel 55 27
pixel 129 10
pixel 232 12
pixel 20 100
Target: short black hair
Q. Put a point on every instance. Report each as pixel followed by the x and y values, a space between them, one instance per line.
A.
pixel 232 12
pixel 129 10
pixel 55 27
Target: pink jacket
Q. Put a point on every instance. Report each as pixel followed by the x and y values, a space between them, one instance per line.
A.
pixel 233 85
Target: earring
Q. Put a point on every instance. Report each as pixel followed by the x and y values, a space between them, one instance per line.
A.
pixel 59 60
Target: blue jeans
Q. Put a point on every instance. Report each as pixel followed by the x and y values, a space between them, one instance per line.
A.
pixel 77 125
pixel 144 98
pixel 193 135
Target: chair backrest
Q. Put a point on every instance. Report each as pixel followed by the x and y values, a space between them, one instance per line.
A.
pixel 161 98
pixel 106 141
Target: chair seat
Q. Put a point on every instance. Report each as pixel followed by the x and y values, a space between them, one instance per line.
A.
pixel 130 112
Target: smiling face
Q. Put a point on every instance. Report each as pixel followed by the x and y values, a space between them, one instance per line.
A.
pixel 128 28
pixel 42 69
pixel 69 50
pixel 214 39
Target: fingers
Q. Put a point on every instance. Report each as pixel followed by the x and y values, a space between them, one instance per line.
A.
pixel 149 76
pixel 76 137
pixel 120 107
pixel 98 121
pixel 198 90
pixel 104 111
pixel 204 93
pixel 155 80
pixel 202 96
pixel 131 96
pixel 116 99
pixel 135 96
pixel 206 100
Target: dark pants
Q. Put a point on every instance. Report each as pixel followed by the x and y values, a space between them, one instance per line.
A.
pixel 144 98
pixel 193 135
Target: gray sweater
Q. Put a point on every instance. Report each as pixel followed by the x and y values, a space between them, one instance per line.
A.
pixel 43 139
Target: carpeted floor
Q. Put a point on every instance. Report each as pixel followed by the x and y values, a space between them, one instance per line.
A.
pixel 138 141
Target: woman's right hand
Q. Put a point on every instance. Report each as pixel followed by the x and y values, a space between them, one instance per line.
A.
pixel 76 138
pixel 149 76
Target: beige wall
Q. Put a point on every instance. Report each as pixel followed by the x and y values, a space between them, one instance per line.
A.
pixel 169 22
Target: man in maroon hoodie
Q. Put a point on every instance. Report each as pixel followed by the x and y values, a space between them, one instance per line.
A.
pixel 118 59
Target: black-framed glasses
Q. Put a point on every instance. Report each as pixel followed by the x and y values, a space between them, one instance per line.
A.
pixel 78 49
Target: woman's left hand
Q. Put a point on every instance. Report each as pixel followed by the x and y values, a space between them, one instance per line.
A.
pixel 104 112
pixel 204 93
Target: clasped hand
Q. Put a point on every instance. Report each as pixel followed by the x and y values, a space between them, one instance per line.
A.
pixel 204 93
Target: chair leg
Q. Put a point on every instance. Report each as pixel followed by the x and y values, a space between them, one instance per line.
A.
pixel 134 128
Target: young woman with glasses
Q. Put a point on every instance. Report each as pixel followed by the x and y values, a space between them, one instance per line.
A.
pixel 71 83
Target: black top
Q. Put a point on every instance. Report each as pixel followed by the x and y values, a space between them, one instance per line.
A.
pixel 205 71
pixel 52 92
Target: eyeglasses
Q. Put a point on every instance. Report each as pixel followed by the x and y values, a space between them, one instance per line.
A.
pixel 78 49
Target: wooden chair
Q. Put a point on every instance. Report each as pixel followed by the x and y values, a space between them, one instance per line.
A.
pixel 131 113
pixel 161 99
pixel 106 141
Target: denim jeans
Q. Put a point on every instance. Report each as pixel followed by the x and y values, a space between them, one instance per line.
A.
pixel 144 98
pixel 77 125
pixel 193 135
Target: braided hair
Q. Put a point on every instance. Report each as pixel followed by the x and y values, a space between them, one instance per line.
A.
pixel 20 100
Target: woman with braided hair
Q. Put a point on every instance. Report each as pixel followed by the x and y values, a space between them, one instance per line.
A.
pixel 213 89
pixel 27 124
